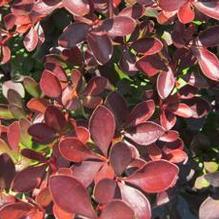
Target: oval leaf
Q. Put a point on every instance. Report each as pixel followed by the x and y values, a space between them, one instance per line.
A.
pixel 155 176
pixel 76 199
pixel 145 133
pixel 102 127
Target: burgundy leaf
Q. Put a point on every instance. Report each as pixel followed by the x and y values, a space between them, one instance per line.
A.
pixel 141 112
pixel 101 47
pixel 50 85
pixel 208 63
pixel 77 7
pixel 102 127
pixel 100 189
pixel 7 171
pixel 171 6
pixel 154 152
pixel 42 133
pixel 155 176
pixel 28 179
pixel 165 83
pixel 120 157
pixel 75 200
pixel 95 86
pixel 73 34
pixel 209 37
pixel 147 46
pixel 135 11
pixel 54 118
pixel 92 102
pixel 128 62
pixel 209 8
pixel 33 155
pixel 86 171
pixel 151 65
pixel 13 135
pixel 72 149
pixel 117 209
pixel 145 133
pixel 118 106
pixel 199 107
pixel 31 40
pixel 137 200
pixel 118 26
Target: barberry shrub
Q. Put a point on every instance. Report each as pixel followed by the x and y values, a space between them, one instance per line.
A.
pixel 108 108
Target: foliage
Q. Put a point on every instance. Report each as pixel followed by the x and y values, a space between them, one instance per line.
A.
pixel 123 122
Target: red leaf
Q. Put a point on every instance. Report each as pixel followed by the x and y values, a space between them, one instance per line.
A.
pixel 165 83
pixel 29 178
pixel 117 209
pixel 101 47
pixel 145 133
pixel 61 214
pixel 15 210
pixel 147 46
pixel 37 105
pixel 154 152
pixel 50 84
pixel 141 112
pixel 31 40
pixel 151 65
pixel 186 13
pixel 176 156
pixel 72 149
pixel 18 87
pixel 42 133
pixel 182 110
pixel 137 200
pixel 73 34
pixel 86 171
pixel 54 118
pixel 77 7
pixel 118 26
pixel 7 171
pixel 209 8
pixel 208 63
pixel 155 176
pixel 171 6
pixel 167 119
pixel 102 127
pixel 13 135
pixel 92 102
pixel 120 157
pixel 169 136
pixel 95 86
pixel 5 54
pixel 100 189
pixel 75 200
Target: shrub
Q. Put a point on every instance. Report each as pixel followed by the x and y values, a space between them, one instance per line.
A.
pixel 123 84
